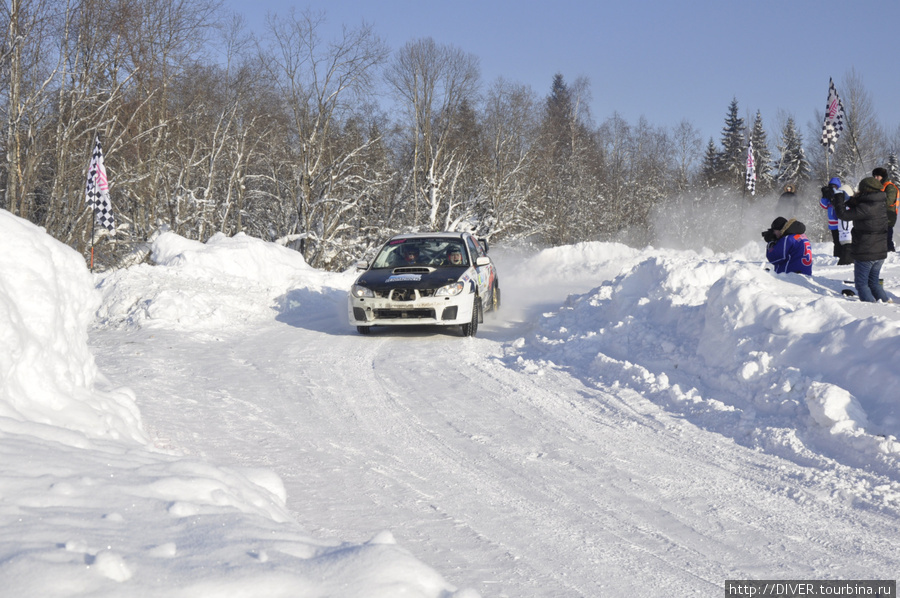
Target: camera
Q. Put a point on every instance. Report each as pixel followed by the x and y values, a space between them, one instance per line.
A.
pixel 769 236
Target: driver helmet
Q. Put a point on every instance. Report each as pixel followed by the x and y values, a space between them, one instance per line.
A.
pixel 411 254
pixel 454 255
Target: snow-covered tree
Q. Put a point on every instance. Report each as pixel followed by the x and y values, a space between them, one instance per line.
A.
pixel 511 119
pixel 765 181
pixel 709 169
pixel 433 82
pixel 792 165
pixel 569 164
pixel 688 147
pixel 733 163
pixel 893 166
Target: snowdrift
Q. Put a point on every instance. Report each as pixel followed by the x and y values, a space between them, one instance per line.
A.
pixel 780 362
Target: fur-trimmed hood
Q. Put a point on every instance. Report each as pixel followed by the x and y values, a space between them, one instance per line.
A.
pixel 788 227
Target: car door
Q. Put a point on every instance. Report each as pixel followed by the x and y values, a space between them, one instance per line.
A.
pixel 484 275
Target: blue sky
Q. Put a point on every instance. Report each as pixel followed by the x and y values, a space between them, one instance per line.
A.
pixel 660 59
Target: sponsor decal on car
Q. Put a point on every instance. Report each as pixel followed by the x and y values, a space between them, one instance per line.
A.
pixel 404 278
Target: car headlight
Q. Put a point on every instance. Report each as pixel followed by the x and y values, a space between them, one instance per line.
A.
pixel 359 291
pixel 451 290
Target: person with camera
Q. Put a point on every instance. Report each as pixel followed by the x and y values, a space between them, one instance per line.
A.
pixel 840 229
pixel 787 247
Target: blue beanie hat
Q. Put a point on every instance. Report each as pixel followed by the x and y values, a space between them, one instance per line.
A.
pixel 836 182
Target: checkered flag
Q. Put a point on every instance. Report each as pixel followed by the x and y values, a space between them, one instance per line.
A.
pixel 751 170
pixel 97 191
pixel 834 118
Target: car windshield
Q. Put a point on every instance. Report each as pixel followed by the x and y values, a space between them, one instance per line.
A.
pixel 425 252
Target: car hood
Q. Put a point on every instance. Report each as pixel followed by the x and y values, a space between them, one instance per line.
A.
pixel 410 276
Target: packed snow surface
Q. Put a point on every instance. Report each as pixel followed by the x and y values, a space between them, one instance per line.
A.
pixel 630 422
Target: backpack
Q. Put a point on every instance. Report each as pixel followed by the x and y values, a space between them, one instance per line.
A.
pixel 892 204
pixel 844 228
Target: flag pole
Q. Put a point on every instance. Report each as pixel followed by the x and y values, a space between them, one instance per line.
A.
pixel 97 194
pixel 834 123
pixel 93 222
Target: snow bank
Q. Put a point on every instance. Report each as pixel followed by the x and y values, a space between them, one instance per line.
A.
pixel 190 287
pixel 47 374
pixel 738 349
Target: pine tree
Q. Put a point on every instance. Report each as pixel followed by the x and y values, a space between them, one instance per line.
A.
pixel 893 166
pixel 765 181
pixel 732 163
pixel 569 158
pixel 792 166
pixel 709 169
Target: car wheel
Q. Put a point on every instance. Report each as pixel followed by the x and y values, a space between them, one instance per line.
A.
pixel 364 329
pixel 495 298
pixel 472 327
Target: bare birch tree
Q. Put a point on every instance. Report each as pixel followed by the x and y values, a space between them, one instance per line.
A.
pixel 511 125
pixel 319 83
pixel 27 70
pixel 433 82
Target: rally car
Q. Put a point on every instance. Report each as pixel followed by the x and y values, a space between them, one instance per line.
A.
pixel 441 279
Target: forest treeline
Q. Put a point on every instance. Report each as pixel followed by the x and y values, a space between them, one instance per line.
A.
pixel 330 145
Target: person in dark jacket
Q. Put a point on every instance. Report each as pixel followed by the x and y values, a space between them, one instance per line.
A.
pixel 787 247
pixel 840 229
pixel 893 193
pixel 870 223
pixel 788 202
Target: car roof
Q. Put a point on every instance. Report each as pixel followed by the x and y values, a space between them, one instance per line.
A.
pixel 436 235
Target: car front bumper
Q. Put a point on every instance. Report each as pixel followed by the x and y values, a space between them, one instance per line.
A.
pixel 437 311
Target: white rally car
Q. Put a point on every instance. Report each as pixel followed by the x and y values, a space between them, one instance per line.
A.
pixel 442 279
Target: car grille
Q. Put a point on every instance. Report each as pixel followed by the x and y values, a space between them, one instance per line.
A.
pixel 404 294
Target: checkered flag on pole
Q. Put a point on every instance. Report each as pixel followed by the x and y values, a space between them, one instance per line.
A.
pixel 751 170
pixel 97 191
pixel 834 118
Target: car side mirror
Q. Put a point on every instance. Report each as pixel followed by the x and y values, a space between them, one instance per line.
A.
pixel 362 265
pixel 483 261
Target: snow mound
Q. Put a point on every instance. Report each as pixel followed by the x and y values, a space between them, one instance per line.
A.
pixel 191 286
pixel 47 374
pixel 701 334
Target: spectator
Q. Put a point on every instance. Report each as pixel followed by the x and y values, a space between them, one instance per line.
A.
pixel 870 223
pixel 788 249
pixel 840 229
pixel 893 194
pixel 787 202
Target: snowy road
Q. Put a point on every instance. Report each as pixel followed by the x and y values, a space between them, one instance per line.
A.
pixel 506 474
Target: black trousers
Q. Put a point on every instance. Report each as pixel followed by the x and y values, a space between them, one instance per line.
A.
pixel 835 237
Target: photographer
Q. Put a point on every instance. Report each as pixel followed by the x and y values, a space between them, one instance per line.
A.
pixel 840 229
pixel 787 247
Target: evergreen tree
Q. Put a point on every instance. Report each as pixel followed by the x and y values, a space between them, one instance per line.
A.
pixel 733 163
pixel 569 161
pixel 893 166
pixel 709 169
pixel 560 118
pixel 792 166
pixel 765 181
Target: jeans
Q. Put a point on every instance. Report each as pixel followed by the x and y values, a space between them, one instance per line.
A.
pixel 865 277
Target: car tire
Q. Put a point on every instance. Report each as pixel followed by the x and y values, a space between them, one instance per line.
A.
pixel 364 329
pixel 495 298
pixel 472 327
